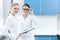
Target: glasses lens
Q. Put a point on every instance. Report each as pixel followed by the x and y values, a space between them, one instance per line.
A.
pixel 26 9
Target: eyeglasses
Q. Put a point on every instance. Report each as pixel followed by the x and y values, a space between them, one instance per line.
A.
pixel 16 8
pixel 26 9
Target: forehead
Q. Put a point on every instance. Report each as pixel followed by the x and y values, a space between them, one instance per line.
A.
pixel 25 7
pixel 15 6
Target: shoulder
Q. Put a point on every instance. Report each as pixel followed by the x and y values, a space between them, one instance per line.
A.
pixel 32 16
pixel 9 18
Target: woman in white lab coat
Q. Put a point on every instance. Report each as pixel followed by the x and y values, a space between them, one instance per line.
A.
pixel 12 25
pixel 26 21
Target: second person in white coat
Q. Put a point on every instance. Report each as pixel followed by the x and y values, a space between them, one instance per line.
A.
pixel 26 21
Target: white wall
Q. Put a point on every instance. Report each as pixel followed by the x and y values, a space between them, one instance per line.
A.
pixel 1 6
pixel 1 15
pixel 47 25
pixel 6 7
pixel 58 23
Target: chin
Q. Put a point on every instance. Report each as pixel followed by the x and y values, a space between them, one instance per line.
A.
pixel 15 13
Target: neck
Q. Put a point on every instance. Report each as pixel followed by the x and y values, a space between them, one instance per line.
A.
pixel 13 14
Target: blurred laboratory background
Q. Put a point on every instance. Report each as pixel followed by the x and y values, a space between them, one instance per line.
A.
pixel 46 11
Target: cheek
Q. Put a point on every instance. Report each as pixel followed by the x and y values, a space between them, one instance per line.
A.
pixel 13 10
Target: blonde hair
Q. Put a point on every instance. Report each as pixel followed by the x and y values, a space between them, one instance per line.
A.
pixel 13 5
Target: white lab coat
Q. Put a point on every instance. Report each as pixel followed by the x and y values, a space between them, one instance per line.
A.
pixel 14 25
pixel 26 25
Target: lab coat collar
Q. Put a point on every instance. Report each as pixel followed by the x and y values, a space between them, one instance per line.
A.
pixel 27 16
pixel 13 15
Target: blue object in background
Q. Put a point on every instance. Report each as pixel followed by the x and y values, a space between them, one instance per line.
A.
pixel 44 7
pixel 49 7
pixel 59 5
pixel 53 37
pixel 45 37
pixel 35 5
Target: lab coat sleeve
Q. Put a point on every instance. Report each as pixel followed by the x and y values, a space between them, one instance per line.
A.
pixel 34 20
pixel 7 25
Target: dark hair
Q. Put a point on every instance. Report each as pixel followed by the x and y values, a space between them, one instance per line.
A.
pixel 26 5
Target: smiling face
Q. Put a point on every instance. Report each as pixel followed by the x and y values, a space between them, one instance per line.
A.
pixel 14 9
pixel 25 9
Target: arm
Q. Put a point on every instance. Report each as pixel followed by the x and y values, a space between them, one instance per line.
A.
pixel 7 25
pixel 24 33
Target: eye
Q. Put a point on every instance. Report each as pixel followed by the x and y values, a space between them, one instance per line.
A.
pixel 25 9
pixel 16 8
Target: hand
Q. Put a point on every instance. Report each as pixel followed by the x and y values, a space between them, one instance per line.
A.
pixel 31 11
pixel 9 31
pixel 17 37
